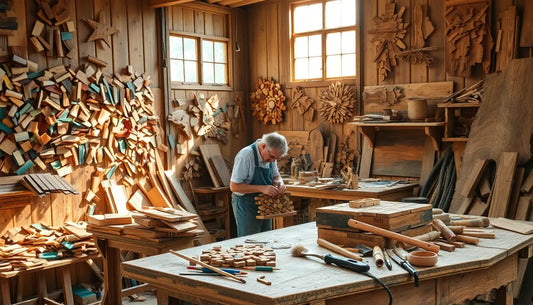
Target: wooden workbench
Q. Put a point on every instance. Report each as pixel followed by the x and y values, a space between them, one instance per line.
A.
pixel 110 246
pixel 391 193
pixel 458 275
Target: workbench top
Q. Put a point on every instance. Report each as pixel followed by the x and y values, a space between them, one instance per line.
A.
pixel 301 280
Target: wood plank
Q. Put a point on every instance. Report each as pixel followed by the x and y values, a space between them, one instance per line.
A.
pixel 102 11
pixel 221 169
pixel 119 20
pixel 179 192
pixel 512 225
pixel 84 9
pixel 365 164
pixel 135 41
pixel 526 34
pixel 524 203
pixel 469 186
pixel 503 184
pixel 151 45
pixel 494 129
pixel 208 151
pixel 528 183
pixel 515 192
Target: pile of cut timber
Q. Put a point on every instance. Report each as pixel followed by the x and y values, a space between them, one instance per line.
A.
pixel 66 116
pixel 239 256
pixel 270 206
pixel 409 219
pixel 28 247
pixel 149 224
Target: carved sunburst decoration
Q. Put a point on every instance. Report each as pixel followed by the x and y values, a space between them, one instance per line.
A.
pixel 337 103
pixel 268 102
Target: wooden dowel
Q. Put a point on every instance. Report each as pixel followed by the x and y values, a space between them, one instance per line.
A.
pixel 190 259
pixel 399 237
pixel 456 229
pixel 468 239
pixel 428 236
pixel 444 246
pixel 480 234
pixel 377 253
pixel 478 222
pixel 326 244
pixel 457 244
pixel 443 229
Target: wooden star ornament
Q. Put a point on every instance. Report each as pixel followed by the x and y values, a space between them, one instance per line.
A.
pixel 101 31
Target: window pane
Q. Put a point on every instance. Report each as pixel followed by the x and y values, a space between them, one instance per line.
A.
pixel 348 65
pixel 208 73
pixel 176 70
pixel 301 68
pixel 333 66
pixel 220 74
pixel 189 46
pixel 176 47
pixel 220 52
pixel 348 42
pixel 333 14
pixel 207 50
pixel 308 18
pixel 315 67
pixel 333 44
pixel 315 45
pixel 191 72
pixel 348 12
pixel 300 47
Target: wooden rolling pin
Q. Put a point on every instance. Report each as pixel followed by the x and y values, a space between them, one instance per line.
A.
pixel 326 244
pixel 399 237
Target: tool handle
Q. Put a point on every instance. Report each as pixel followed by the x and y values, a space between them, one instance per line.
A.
pixel 326 244
pixel 405 265
pixel 350 264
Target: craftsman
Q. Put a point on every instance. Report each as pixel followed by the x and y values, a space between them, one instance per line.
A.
pixel 255 171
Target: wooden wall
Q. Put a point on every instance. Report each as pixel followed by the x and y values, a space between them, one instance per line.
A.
pixel 269 55
pixel 206 20
pixel 136 44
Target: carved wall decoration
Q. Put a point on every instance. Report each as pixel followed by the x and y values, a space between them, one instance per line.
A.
pixel 337 102
pixel 268 102
pixel 468 37
pixel 302 103
pixel 387 36
pixel 101 31
pixel 422 28
pixel 387 96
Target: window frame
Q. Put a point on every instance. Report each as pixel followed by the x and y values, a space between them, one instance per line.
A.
pixel 323 32
pixel 177 85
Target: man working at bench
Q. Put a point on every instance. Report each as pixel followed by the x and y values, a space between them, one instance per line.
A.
pixel 255 171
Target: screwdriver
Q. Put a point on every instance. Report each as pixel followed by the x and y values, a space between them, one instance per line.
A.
pixel 206 270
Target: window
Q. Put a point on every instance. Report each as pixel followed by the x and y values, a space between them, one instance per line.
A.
pixel 323 40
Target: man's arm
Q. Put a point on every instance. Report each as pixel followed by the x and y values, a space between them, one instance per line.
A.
pixel 278 183
pixel 244 188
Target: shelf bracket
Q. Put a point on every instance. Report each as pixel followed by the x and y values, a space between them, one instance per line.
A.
pixel 434 134
pixel 369 132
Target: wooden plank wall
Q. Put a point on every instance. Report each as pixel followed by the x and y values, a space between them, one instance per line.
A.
pixel 270 57
pixel 136 44
pixel 209 21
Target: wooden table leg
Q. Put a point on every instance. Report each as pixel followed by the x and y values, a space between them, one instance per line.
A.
pixel 162 297
pixel 112 275
pixel 504 295
pixel 67 286
pixel 6 297
pixel 42 290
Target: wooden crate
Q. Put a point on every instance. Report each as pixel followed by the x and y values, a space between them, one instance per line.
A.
pixel 352 239
pixel 394 216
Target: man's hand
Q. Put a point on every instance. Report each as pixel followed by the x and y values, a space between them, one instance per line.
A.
pixel 270 190
pixel 280 186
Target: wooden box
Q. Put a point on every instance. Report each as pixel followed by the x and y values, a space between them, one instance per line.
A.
pixel 393 216
pixel 352 239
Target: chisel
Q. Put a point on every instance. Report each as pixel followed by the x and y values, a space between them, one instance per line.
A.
pixel 404 264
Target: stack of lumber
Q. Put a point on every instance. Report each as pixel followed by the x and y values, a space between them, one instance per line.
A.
pixel 239 256
pixel 155 224
pixel 28 247
pixel 440 185
pixel 468 37
pixel 66 117
pixel 409 219
pixel 268 206
pixel 44 184
pixel 470 94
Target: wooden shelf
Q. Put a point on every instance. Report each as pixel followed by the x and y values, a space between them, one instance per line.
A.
pixel 456 139
pixel 458 105
pixel 431 129
pixel 211 210
pixel 276 215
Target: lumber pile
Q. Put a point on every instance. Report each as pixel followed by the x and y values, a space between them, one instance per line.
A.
pixel 470 94
pixel 28 247
pixel 440 185
pixel 278 205
pixel 268 101
pixel 346 157
pixel 65 117
pixel 154 224
pixel 239 256
pixel 409 219
pixel 44 184
pixel 468 38
pixel 53 31
pixel 388 34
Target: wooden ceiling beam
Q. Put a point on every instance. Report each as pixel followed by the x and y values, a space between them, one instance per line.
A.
pixel 228 2
pixel 245 2
pixel 163 3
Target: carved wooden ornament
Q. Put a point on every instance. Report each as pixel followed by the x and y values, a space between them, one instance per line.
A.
pixel 101 31
pixel 268 102
pixel 337 102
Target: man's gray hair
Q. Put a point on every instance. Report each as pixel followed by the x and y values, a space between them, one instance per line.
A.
pixel 274 140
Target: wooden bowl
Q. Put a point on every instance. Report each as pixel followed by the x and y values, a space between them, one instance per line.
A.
pixel 422 258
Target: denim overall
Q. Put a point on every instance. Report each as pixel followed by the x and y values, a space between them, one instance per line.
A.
pixel 244 207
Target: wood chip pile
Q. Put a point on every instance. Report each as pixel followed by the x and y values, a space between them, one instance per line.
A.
pixel 239 256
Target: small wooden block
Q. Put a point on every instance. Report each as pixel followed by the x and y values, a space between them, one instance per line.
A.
pixel 365 202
